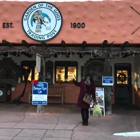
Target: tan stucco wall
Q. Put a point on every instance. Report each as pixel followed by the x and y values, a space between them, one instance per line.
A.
pixel 72 91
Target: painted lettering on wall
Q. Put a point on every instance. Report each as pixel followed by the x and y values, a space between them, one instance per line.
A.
pixel 7 25
pixel 77 25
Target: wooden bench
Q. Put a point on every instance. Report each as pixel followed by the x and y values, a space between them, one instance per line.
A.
pixel 53 92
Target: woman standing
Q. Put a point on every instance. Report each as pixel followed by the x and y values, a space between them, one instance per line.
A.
pixel 86 86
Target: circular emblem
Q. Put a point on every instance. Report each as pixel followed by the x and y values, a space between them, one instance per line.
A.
pixel 1 92
pixel 42 21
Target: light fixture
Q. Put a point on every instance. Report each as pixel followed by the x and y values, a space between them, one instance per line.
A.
pixel 17 54
pixel 125 44
pixel 84 43
pixel 95 55
pixel 43 43
pixel 5 54
pixel 81 55
pixel 24 42
pixel 67 54
pixel 7 43
pixel 13 53
pixel 123 55
pixel 111 56
pixel 104 44
pixel 27 54
pixel 55 55
pixel 63 43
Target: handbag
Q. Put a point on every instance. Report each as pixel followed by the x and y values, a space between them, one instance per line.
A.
pixel 87 98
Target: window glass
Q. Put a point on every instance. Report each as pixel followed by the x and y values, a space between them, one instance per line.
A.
pixel 71 73
pixel 35 76
pixel 65 71
pixel 122 77
pixel 29 77
pixel 60 74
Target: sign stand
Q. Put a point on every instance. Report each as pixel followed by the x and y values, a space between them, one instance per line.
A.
pixel 40 109
pixel 100 94
pixel 38 67
pixel 100 98
pixel 40 95
pixel 107 82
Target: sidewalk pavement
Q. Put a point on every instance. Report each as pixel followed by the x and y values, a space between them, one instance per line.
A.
pixel 63 122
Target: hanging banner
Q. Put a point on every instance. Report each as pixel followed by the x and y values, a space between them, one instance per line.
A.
pixel 38 62
pixel 100 98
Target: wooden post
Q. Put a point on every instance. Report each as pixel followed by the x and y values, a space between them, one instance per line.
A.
pixel 107 89
pixel 40 108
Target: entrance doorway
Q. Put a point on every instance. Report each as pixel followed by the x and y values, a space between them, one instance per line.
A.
pixel 123 83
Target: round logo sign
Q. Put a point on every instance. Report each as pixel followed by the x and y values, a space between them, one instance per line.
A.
pixel 1 92
pixel 42 21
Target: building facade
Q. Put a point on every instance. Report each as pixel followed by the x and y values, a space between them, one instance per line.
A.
pixel 73 38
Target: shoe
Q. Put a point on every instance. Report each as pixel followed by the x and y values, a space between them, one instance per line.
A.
pixel 86 122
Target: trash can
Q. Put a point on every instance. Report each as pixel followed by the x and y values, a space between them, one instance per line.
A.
pixel 5 93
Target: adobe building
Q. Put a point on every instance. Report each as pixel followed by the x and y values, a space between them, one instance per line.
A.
pixel 73 37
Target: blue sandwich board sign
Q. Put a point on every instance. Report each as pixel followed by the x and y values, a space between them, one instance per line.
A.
pixel 40 93
pixel 107 80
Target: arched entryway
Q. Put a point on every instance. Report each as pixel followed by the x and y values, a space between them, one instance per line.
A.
pixel 96 68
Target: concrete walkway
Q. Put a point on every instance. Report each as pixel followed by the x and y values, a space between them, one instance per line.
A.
pixel 63 122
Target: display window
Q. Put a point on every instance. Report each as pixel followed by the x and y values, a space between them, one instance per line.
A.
pixel 64 71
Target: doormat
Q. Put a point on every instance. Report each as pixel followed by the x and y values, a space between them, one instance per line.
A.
pixel 129 107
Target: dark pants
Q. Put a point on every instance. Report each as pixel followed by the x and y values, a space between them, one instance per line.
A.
pixel 85 115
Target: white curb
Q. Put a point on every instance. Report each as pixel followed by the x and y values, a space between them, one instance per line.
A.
pixel 128 134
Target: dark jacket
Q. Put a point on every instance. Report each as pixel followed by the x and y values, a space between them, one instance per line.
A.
pixel 85 89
